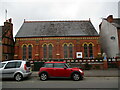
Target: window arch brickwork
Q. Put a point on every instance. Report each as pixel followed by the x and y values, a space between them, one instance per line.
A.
pixel 68 50
pixel 48 50
pixel 88 49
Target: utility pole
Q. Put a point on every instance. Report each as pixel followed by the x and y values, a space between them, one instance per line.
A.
pixel 6 14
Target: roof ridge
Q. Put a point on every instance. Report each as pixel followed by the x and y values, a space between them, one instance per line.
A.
pixel 116 18
pixel 59 21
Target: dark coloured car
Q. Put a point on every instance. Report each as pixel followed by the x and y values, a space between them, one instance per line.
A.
pixel 59 70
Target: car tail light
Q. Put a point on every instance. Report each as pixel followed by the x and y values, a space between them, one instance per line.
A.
pixel 25 67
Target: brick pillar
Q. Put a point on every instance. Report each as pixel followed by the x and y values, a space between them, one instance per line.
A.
pixel 105 64
pixel 57 50
pixel 37 52
pixel 118 62
pixel 77 49
pixel 16 52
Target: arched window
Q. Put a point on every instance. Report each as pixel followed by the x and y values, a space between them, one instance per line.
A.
pixel 50 51
pixel 85 50
pixel 30 51
pixel 70 51
pixel 90 50
pixel 65 51
pixel 24 52
pixel 45 51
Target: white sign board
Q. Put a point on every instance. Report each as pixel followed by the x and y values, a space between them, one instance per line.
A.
pixel 78 54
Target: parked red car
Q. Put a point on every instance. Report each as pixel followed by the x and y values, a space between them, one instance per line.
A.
pixel 59 69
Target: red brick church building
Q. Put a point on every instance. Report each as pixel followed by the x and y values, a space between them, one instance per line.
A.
pixel 39 40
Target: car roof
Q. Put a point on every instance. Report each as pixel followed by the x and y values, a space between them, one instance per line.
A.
pixel 55 62
pixel 11 61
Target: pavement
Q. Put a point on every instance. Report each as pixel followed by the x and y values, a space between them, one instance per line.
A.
pixel 112 72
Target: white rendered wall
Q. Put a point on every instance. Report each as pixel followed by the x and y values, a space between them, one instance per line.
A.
pixel 109 46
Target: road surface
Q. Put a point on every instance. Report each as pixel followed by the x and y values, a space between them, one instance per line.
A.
pixel 88 82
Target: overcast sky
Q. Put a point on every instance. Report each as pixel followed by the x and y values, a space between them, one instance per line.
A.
pixel 39 10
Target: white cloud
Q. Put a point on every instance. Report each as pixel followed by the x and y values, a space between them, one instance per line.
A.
pixel 59 1
pixel 19 10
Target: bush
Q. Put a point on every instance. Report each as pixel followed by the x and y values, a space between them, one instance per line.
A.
pixel 87 66
pixel 97 67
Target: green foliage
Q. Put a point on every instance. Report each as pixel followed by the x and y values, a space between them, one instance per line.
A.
pixel 97 67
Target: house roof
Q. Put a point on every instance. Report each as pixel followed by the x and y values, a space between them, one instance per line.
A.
pixel 56 28
pixel 116 22
pixel 0 31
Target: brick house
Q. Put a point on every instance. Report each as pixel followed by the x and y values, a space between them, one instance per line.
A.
pixel 110 36
pixel 38 40
pixel 6 42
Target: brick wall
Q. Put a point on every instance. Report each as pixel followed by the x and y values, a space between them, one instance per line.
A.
pixel 57 42
pixel 119 38
pixel 7 41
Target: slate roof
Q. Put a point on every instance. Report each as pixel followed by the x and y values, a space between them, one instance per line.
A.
pixel 116 22
pixel 56 28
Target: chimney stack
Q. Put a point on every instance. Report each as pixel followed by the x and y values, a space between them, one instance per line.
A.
pixel 10 20
pixel 110 18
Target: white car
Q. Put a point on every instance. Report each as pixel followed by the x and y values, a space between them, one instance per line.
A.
pixel 17 69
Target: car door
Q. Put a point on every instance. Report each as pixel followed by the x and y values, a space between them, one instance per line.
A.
pixel 60 70
pixel 1 68
pixel 49 68
pixel 9 70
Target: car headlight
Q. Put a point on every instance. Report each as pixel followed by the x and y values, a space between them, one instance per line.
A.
pixel 81 71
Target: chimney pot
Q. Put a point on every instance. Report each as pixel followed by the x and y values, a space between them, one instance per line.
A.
pixel 10 20
pixel 110 18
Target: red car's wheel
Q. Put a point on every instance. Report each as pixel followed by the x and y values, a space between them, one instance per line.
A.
pixel 76 77
pixel 43 76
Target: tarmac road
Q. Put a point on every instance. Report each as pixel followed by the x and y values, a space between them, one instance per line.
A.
pixel 100 79
pixel 88 82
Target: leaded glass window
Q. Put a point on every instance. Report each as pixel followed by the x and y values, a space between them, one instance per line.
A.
pixel 30 51
pixel 50 51
pixel 90 50
pixel 70 51
pixel 45 51
pixel 24 51
pixel 65 51
pixel 85 50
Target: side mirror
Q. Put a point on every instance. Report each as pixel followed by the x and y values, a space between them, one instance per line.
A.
pixel 65 67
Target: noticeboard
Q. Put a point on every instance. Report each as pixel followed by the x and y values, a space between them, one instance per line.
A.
pixel 78 54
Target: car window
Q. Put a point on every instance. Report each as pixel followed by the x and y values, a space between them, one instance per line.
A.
pixel 2 65
pixel 49 65
pixel 18 64
pixel 59 65
pixel 10 65
pixel 28 64
pixel 68 66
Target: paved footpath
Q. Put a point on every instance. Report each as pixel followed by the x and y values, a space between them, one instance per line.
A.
pixel 113 72
pixel 102 73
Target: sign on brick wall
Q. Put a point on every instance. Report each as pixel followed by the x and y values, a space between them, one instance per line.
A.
pixel 78 54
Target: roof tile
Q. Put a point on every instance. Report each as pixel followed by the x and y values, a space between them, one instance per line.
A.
pixel 56 28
